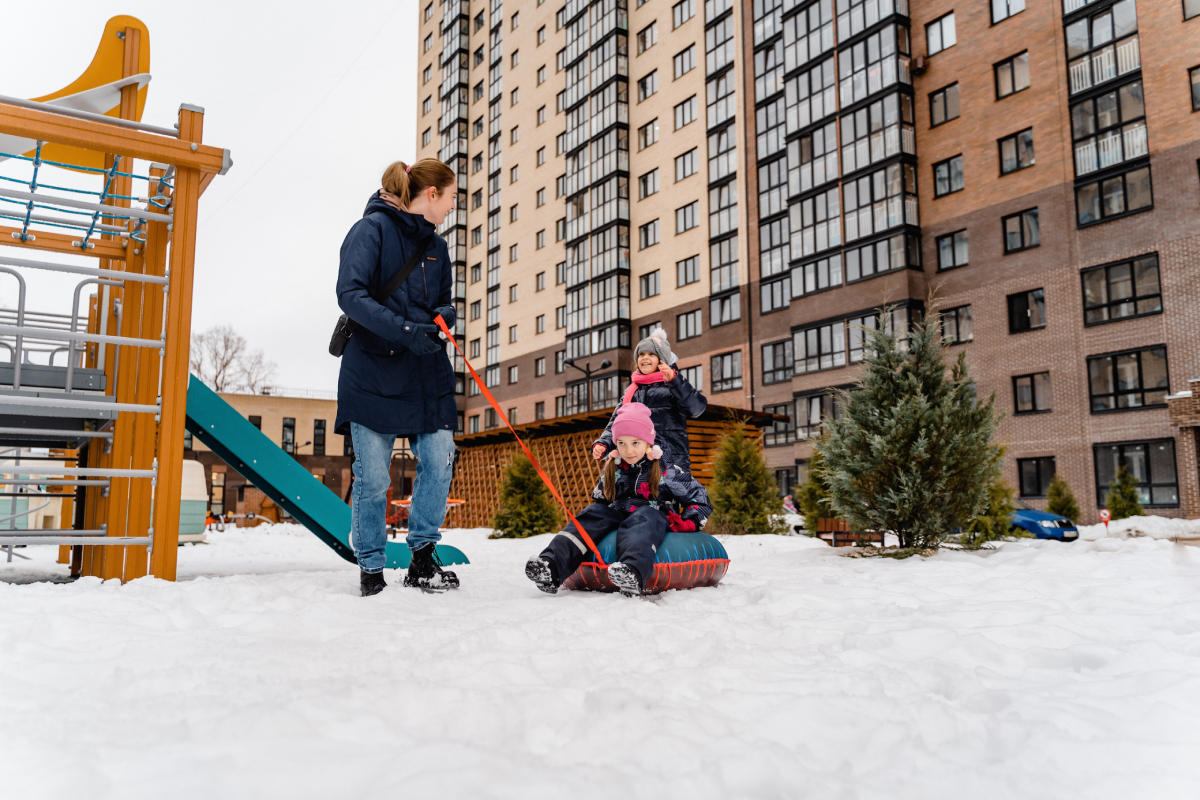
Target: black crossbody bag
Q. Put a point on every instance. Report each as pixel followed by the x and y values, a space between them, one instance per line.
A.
pixel 346 327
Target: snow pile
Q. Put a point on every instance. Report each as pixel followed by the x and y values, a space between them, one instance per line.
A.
pixel 1037 670
pixel 1182 530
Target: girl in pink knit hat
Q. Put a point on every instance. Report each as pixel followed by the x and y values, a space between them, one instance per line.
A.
pixel 638 495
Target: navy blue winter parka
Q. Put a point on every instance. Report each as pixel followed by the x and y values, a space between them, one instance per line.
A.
pixel 383 385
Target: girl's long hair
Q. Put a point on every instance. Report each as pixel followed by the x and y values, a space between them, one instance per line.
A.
pixel 407 182
pixel 610 478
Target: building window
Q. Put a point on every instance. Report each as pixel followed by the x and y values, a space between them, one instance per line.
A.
pixel 778 362
pixel 426 137
pixel 1194 75
pixel 1152 465
pixel 957 326
pixel 1016 151
pixel 516 20
pixel 687 271
pixel 1026 311
pixel 515 135
pixel 1134 379
pixel 871 65
pixel 722 154
pixel 1113 197
pixel 948 176
pixel 1012 75
pixel 427 106
pixel 256 421
pixel 472 424
pixel 560 358
pixel 218 493
pixel 687 217
pixel 813 411
pixel 1120 291
pixel 648 235
pixel 723 310
pixel 821 347
pixel 694 376
pixel 560 317
pixel 685 62
pixel 476 199
pixel 474 348
pixel 1109 129
pixel 686 164
pixel 539 367
pixel 477 92
pixel 1035 475
pixel 648 134
pixel 681 12
pixel 512 293
pixel 428 43
pixel 1021 231
pixel 540 239
pixel 727 372
pixel 289 435
pixel 475 310
pixel 477 235
pixel 428 74
pixel 187 438
pixel 477 163
pixel 952 250
pixel 881 200
pixel 512 334
pixel 539 410
pixel 429 12
pixel 685 112
pixel 1191 8
pixel 723 265
pixel 817 276
pixel 647 86
pixel 775 295
pixel 560 229
pixel 541 34
pixel 687 325
pixel 939 34
pixel 722 209
pixel 943 105
pixel 1103 46
pixel 512 374
pixel 1031 393
pixel 648 184
pixel 1003 9
pixel 541 156
pixel 512 253
pixel 490 419
pixel 778 434
pixel 647 37
pixel 516 59
pixel 318 437
pixel 649 284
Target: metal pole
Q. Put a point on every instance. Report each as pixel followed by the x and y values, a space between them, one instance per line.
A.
pixel 70 112
pixel 20 324
pixel 111 274
pixel 107 211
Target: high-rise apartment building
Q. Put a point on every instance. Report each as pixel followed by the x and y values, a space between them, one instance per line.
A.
pixel 760 178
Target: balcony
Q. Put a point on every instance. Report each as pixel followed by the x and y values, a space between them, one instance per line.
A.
pixel 496 89
pixel 860 17
pixel 455 38
pixel 453 146
pixel 1103 65
pixel 454 109
pixel 878 146
pixel 1111 148
pixel 453 9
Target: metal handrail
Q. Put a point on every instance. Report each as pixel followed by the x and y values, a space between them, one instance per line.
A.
pixel 110 211
pixel 111 274
pixel 88 115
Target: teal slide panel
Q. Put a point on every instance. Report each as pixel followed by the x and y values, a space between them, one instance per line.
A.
pixel 279 476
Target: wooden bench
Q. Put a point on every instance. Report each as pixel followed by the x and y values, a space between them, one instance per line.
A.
pixel 838 533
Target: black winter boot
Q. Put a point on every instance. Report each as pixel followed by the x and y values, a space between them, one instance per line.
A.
pixel 541 571
pixel 425 571
pixel 625 578
pixel 371 583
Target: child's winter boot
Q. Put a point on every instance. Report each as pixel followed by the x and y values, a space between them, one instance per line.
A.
pixel 541 572
pixel 625 578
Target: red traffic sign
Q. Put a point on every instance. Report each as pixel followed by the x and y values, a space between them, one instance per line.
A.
pixel 1105 515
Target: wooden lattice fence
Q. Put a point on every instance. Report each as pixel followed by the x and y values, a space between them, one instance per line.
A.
pixel 563 446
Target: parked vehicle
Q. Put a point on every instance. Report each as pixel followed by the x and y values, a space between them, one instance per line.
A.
pixel 1044 525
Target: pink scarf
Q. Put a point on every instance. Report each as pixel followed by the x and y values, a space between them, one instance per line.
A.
pixel 640 379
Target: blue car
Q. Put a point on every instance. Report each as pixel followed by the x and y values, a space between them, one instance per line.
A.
pixel 1044 525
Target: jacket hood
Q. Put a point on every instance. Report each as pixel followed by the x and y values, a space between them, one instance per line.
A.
pixel 410 224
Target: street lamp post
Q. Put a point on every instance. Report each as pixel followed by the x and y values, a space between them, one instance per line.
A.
pixel 586 369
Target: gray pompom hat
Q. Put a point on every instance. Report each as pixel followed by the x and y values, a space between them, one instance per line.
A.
pixel 657 344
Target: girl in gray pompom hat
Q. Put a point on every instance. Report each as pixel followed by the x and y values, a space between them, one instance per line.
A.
pixel 668 395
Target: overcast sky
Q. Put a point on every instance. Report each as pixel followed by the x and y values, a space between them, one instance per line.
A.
pixel 313 99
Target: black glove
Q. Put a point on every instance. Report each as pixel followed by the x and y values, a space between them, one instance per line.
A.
pixel 448 314
pixel 421 338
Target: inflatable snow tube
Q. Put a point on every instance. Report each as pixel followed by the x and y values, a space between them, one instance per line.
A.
pixel 684 561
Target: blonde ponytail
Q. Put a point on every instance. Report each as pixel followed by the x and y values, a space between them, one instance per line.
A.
pixel 407 182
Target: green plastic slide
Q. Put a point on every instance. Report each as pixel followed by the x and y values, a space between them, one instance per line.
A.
pixel 279 476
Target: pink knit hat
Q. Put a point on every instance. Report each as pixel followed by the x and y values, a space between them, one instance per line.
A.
pixel 633 419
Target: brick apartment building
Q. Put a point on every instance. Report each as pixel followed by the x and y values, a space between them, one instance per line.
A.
pixel 760 178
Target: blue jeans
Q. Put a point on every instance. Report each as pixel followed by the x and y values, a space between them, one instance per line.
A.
pixel 373 476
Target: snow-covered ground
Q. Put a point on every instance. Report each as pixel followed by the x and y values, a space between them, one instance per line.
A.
pixel 1038 670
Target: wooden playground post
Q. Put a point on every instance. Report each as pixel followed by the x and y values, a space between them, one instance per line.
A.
pixel 175 362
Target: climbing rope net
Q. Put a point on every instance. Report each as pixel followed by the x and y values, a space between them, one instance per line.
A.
pixel 90 217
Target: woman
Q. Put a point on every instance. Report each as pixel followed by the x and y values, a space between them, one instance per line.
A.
pixel 396 378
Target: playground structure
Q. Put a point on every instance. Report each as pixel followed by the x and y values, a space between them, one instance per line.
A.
pixel 110 413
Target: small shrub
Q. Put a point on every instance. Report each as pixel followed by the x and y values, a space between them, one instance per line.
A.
pixel 526 507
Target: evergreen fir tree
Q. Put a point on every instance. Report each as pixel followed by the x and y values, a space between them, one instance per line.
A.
pixel 526 506
pixel 743 494
pixel 912 451
pixel 812 496
pixel 995 521
pixel 1122 499
pixel 1061 501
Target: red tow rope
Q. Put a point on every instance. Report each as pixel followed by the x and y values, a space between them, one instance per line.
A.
pixel 441 323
